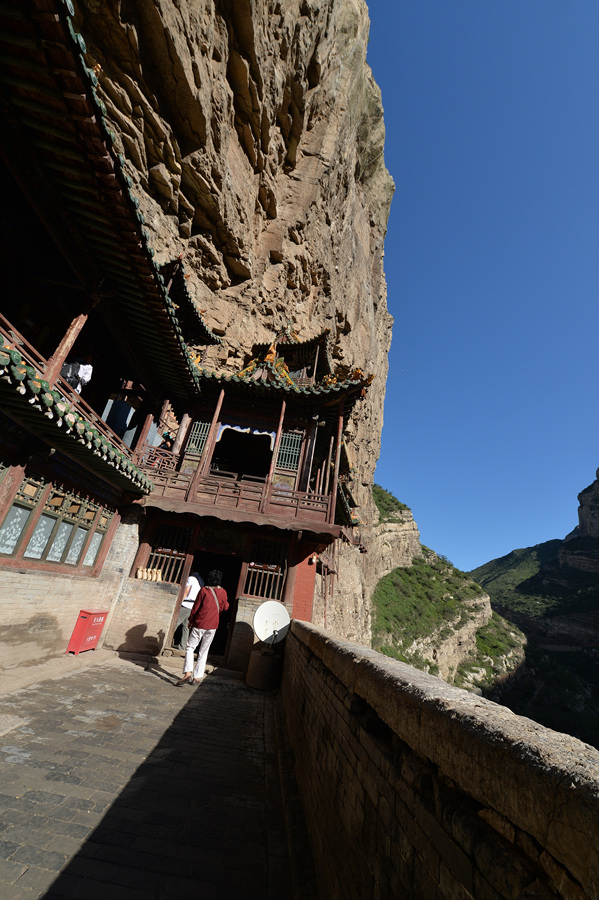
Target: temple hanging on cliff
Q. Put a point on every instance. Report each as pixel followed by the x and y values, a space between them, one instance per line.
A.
pixel 113 490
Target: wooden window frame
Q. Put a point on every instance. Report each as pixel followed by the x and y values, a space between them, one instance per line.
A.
pixel 44 504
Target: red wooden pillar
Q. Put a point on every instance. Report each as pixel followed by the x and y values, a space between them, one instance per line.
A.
pixel 304 484
pixel 273 460
pixel 337 461
pixel 327 474
pixel 58 358
pixel 303 595
pixel 292 558
pixel 208 446
pixel 182 433
pixel 145 430
pixel 9 486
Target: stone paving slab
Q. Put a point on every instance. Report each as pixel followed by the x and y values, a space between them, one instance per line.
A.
pixel 116 784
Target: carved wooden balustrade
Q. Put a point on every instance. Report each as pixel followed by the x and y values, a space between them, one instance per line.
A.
pixel 230 491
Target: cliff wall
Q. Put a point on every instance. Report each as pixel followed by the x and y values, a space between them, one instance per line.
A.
pixel 253 132
pixel 580 550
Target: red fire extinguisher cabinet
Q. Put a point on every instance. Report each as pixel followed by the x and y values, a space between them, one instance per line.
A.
pixel 87 630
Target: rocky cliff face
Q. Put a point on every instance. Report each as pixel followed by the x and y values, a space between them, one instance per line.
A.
pixel 588 512
pixel 580 549
pixel 253 132
pixel 450 650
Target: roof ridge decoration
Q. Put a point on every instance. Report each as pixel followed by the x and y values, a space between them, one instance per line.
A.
pixel 268 368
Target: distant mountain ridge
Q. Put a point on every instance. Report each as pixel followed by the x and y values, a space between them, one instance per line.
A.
pixel 507 572
pixel 551 591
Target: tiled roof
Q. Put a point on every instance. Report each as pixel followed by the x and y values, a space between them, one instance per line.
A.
pixel 195 328
pixel 276 380
pixel 56 139
pixel 49 414
pixel 268 370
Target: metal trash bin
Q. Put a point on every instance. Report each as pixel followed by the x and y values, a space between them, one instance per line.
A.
pixel 87 630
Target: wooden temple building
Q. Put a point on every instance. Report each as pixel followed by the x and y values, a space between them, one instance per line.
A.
pixel 97 509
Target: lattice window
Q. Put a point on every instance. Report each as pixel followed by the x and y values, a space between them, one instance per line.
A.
pixel 197 437
pixel 62 527
pixel 167 557
pixel 266 572
pixel 289 450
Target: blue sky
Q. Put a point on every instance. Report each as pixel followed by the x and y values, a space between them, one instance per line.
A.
pixel 492 264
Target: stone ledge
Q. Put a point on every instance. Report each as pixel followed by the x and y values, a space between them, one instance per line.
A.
pixel 545 783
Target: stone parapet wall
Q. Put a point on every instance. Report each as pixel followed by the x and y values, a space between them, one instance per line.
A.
pixel 39 608
pixel 415 789
pixel 38 611
pixel 142 618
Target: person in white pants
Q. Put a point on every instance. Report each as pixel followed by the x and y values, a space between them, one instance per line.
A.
pixel 193 586
pixel 203 621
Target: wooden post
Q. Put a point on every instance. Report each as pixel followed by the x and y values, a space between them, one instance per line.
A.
pixel 292 560
pixel 304 484
pixel 337 461
pixel 58 358
pixel 207 451
pixel 275 451
pixel 163 411
pixel 318 480
pixel 182 433
pixel 273 460
pixel 211 439
pixel 328 465
pixel 9 486
pixel 145 430
pixel 315 364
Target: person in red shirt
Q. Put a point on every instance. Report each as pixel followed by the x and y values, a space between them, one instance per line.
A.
pixel 203 622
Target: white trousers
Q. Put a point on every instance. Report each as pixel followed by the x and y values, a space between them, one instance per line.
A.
pixel 203 637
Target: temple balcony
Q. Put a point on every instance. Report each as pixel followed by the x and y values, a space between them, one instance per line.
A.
pixel 234 497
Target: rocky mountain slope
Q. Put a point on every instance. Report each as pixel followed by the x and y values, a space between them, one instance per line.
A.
pixel 428 613
pixel 253 133
pixel 551 591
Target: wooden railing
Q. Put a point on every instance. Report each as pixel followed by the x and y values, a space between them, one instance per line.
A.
pixel 154 460
pixel 247 493
pixel 31 357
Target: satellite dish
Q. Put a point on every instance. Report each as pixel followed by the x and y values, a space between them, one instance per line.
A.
pixel 271 622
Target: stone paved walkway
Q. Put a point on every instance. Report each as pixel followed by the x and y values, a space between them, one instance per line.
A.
pixel 116 785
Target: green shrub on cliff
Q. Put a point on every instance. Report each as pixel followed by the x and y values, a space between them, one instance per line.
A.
pixel 416 602
pixel 499 651
pixel 388 505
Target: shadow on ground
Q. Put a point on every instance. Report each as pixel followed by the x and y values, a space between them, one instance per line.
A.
pixel 122 786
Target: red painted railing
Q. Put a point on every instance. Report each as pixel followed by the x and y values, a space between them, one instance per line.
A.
pixel 31 357
pixel 237 493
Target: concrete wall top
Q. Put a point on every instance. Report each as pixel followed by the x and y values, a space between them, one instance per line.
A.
pixel 542 781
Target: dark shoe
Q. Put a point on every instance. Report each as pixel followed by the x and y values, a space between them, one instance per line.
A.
pixel 185 680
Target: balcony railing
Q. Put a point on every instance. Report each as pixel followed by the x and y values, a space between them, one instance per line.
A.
pixel 156 461
pixel 229 492
pixel 13 339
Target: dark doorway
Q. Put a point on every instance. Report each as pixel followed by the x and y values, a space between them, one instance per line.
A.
pixel 230 566
pixel 242 454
